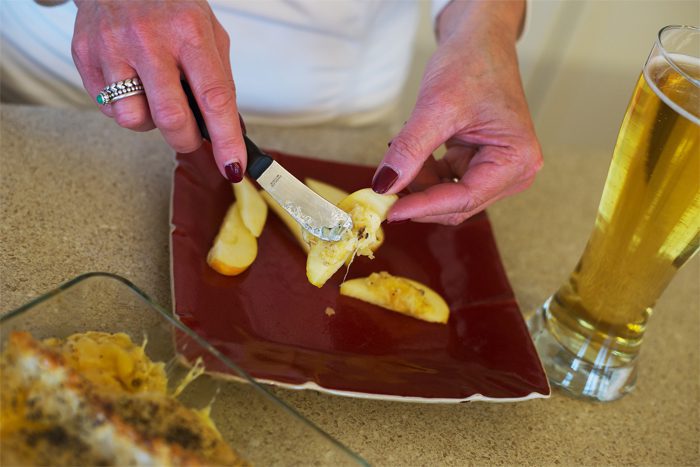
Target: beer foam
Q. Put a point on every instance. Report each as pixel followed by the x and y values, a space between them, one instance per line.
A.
pixel 679 63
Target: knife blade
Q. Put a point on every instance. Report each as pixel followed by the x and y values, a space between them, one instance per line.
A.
pixel 315 214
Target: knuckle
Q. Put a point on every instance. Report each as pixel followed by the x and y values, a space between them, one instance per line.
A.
pixel 80 49
pixel 527 183
pixel 537 163
pixel 141 34
pixel 534 162
pixel 111 37
pixel 105 29
pixel 532 170
pixel 512 156
pixel 131 118
pixel 454 219
pixel 407 148
pixel 222 37
pixel 469 202
pixel 191 24
pixel 170 116
pixel 185 146
pixel 229 145
pixel 225 41
pixel 218 98
pixel 524 159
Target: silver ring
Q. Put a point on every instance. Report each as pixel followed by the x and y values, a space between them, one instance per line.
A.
pixel 119 90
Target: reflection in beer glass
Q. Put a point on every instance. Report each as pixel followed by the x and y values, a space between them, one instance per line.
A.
pixel 648 225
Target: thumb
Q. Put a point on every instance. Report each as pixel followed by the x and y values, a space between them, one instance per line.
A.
pixel 407 152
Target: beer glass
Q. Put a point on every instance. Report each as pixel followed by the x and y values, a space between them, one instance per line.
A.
pixel 589 333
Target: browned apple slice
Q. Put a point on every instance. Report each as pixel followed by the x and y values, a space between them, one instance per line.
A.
pixel 398 294
pixel 367 209
pixel 335 195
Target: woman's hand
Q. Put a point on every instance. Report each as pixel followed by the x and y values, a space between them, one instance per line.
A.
pixel 159 41
pixel 471 99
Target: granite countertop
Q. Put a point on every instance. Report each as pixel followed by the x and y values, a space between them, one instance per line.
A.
pixel 78 194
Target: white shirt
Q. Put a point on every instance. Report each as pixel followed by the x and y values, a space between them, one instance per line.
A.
pixel 293 61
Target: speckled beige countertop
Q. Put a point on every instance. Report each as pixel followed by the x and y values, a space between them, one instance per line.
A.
pixel 78 194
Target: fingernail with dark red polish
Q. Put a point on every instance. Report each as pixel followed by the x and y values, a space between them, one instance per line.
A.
pixel 233 172
pixel 240 119
pixel 384 179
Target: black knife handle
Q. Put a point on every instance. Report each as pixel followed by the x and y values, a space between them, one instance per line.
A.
pixel 258 161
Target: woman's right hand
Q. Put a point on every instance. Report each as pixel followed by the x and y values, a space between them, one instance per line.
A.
pixel 159 41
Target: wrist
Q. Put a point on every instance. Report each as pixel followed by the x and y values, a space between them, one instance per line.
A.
pixel 460 19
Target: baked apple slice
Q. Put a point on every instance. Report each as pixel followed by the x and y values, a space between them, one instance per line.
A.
pixel 335 195
pixel 398 294
pixel 252 207
pixel 368 210
pixel 234 248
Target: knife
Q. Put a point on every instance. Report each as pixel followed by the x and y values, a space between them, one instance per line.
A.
pixel 315 214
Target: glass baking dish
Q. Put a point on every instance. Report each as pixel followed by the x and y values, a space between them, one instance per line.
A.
pixel 259 426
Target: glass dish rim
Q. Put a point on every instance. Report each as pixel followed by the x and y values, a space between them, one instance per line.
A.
pixel 163 313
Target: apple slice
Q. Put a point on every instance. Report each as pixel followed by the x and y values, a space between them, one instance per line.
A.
pixel 325 258
pixel 252 206
pixel 367 209
pixel 333 194
pixel 234 248
pixel 288 220
pixel 398 294
pixel 359 204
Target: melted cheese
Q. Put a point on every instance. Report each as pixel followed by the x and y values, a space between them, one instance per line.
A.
pixel 112 362
pixel 97 398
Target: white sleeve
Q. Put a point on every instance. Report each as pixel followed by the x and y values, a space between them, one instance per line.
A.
pixel 439 5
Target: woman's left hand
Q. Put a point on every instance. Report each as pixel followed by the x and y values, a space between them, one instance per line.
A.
pixel 471 99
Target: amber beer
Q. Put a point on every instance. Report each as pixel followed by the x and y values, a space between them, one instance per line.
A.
pixel 648 222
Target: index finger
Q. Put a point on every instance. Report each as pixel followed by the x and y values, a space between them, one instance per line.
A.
pixel 214 90
pixel 486 181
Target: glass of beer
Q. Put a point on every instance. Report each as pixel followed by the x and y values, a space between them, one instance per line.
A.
pixel 589 333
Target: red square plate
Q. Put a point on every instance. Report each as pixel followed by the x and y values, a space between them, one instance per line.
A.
pixel 273 323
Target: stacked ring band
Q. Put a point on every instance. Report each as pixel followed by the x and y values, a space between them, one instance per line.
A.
pixel 120 90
